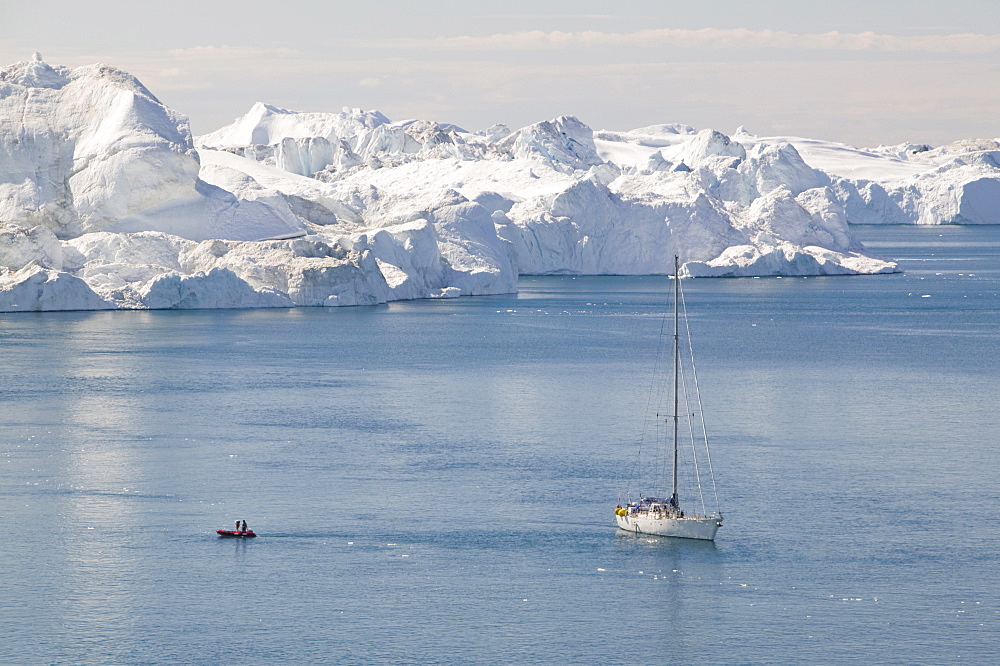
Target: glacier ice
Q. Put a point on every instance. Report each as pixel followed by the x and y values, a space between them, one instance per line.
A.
pixel 107 201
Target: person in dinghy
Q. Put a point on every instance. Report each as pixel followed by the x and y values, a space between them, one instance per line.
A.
pixel 241 530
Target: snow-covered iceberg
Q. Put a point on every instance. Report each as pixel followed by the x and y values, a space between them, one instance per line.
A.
pixel 958 183
pixel 107 201
pixel 91 149
pixel 557 197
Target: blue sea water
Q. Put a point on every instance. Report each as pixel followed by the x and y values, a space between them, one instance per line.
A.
pixel 433 482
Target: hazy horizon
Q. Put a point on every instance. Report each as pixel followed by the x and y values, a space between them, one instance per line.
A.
pixel 844 71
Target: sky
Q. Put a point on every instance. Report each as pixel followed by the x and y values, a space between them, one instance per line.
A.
pixel 864 73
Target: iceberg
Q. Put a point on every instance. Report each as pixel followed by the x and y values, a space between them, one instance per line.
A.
pixel 958 183
pixel 91 149
pixel 108 201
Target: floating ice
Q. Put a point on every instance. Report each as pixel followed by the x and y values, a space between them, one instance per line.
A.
pixel 107 201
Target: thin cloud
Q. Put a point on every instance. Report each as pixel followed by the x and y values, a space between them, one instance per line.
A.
pixel 706 38
pixel 230 52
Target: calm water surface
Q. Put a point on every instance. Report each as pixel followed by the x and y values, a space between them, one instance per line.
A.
pixel 434 481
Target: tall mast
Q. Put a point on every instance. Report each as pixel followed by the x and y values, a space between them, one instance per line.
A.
pixel 677 286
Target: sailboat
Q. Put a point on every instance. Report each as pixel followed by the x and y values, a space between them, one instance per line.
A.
pixel 664 515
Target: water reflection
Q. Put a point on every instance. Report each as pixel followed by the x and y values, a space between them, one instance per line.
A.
pixel 665 579
pixel 103 474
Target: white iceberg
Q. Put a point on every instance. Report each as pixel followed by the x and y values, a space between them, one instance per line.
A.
pixel 107 201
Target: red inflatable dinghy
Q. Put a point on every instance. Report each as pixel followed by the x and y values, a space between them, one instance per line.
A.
pixel 234 533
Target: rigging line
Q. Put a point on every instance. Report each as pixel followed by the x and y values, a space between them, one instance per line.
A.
pixel 676 350
pixel 694 450
pixel 662 440
pixel 687 404
pixel 652 397
pixel 701 411
pixel 661 431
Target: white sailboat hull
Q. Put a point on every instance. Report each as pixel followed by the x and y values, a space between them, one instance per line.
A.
pixel 686 528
